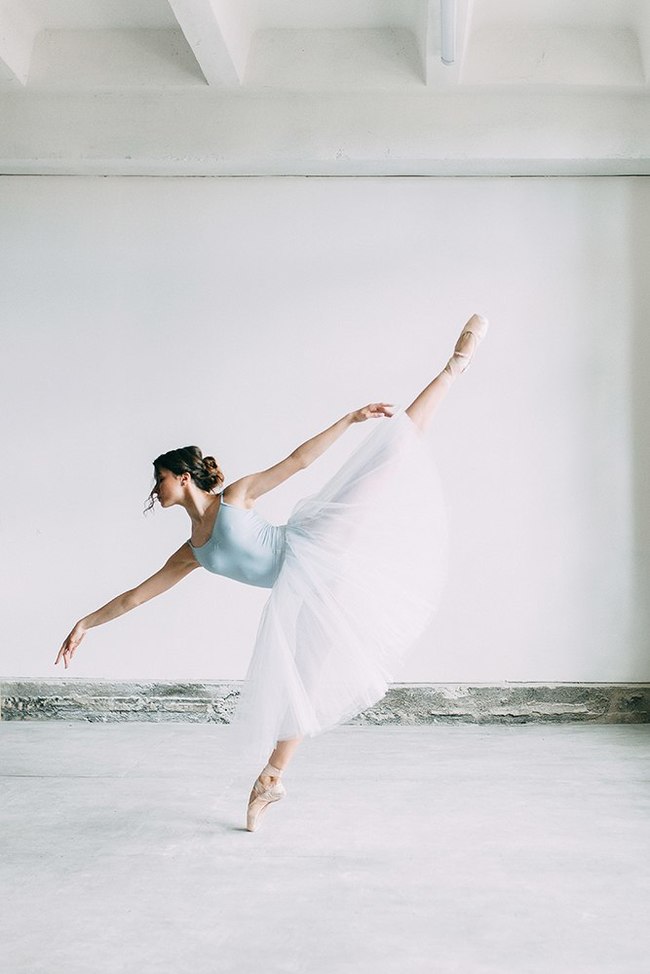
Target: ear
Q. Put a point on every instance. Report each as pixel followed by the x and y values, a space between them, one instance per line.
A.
pixel 185 477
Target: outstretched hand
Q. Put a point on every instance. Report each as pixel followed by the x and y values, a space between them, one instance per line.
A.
pixel 372 411
pixel 70 644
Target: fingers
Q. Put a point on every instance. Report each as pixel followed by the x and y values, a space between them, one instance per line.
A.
pixel 63 655
pixel 68 649
pixel 380 409
pixel 374 410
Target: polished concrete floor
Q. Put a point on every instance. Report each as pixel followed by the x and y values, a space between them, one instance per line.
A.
pixel 398 850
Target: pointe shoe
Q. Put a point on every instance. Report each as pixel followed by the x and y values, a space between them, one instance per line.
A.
pixel 261 797
pixel 477 327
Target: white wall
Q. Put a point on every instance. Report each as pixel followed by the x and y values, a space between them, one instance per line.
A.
pixel 141 314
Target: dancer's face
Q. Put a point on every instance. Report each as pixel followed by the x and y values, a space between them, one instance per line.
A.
pixel 169 488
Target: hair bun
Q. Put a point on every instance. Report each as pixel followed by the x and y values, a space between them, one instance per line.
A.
pixel 213 472
pixel 204 471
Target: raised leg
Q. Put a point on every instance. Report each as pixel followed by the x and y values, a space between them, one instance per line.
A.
pixel 424 406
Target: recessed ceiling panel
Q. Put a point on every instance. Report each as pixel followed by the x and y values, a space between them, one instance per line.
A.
pixel 332 14
pixel 96 14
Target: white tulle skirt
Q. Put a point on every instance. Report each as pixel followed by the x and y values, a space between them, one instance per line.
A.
pixel 364 566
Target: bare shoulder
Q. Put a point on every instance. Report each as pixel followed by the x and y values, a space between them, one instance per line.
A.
pixel 237 493
pixel 244 492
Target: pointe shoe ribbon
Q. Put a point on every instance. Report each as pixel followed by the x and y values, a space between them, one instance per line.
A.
pixel 262 796
pixel 477 327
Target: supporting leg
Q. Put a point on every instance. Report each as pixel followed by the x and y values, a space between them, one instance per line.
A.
pixel 268 788
pixel 280 757
pixel 424 406
pixel 282 754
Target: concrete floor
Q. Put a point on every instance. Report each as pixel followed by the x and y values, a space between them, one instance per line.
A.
pixel 398 850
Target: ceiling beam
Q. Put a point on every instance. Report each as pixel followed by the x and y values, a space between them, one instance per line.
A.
pixel 201 133
pixel 16 44
pixel 642 25
pixel 219 35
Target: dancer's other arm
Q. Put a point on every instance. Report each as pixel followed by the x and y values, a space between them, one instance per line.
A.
pixel 181 563
pixel 249 488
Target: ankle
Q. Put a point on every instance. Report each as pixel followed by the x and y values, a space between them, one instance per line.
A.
pixel 270 774
pixel 451 370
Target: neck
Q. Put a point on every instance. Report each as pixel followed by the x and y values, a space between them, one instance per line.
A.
pixel 198 503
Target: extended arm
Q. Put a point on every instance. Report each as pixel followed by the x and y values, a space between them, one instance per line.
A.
pixel 248 489
pixel 181 563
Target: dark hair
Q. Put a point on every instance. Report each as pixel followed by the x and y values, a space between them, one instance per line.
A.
pixel 204 471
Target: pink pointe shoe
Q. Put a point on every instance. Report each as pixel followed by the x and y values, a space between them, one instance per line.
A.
pixel 261 797
pixel 465 348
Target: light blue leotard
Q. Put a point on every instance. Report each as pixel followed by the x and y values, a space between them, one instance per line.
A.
pixel 243 546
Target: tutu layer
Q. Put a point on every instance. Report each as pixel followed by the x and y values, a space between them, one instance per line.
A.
pixel 364 566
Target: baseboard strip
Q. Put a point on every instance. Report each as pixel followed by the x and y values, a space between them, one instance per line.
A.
pixel 405 703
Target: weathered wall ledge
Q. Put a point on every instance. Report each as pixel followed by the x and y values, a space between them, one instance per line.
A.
pixel 415 703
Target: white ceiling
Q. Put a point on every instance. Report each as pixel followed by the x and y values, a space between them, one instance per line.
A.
pixel 91 14
pixel 214 65
pixel 497 42
pixel 263 14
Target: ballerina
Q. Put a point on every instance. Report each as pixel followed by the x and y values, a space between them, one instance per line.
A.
pixel 355 574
